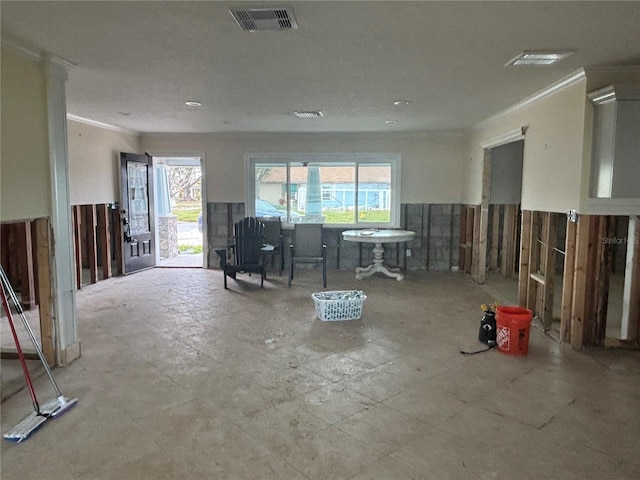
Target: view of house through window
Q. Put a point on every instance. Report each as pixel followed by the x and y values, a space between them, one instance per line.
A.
pixel 328 191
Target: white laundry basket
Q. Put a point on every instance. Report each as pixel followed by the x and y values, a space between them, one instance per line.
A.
pixel 339 305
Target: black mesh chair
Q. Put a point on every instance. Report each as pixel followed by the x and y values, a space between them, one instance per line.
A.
pixel 273 236
pixel 246 253
pixel 307 247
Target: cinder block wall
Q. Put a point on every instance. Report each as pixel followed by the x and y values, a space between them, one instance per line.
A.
pixel 435 247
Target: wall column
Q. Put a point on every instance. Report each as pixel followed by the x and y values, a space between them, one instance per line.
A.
pixel 62 261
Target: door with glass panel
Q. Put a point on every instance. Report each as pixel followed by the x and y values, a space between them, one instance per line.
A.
pixel 136 212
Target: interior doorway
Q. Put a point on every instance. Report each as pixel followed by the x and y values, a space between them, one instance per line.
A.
pixel 498 223
pixel 179 186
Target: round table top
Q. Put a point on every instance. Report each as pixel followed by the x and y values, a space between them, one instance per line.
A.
pixel 375 235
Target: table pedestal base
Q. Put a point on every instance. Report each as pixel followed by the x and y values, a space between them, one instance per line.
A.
pixel 378 266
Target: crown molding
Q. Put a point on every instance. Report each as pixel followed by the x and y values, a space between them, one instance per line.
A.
pixel 95 123
pixel 28 52
pixel 561 84
pixel 36 55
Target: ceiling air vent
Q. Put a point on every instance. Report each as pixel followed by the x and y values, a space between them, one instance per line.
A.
pixel 258 19
pixel 316 114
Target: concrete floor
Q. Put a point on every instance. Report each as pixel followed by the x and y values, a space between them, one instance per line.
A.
pixel 180 379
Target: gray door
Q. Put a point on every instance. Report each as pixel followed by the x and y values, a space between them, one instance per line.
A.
pixel 136 212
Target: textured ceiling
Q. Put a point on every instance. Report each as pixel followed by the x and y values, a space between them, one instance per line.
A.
pixel 136 63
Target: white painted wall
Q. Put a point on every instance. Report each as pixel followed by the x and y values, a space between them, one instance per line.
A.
pixel 431 164
pixel 553 150
pixel 25 185
pixel 94 157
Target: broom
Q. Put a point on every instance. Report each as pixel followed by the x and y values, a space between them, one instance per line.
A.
pixel 52 408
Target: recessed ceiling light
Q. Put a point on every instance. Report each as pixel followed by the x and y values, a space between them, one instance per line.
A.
pixel 402 102
pixel 192 103
pixel 390 122
pixel 309 114
pixel 537 58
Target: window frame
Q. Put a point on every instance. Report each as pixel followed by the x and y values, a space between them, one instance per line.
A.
pixel 393 159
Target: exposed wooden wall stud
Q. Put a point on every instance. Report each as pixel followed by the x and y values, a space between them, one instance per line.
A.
pixel 91 242
pixel 525 246
pixel 104 239
pixel 494 211
pixel 567 282
pixel 548 265
pixel 509 236
pixel 24 257
pixel 77 243
pixel 43 262
pixel 583 284
pixel 534 261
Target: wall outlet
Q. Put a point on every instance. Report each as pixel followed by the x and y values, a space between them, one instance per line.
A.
pixel 408 252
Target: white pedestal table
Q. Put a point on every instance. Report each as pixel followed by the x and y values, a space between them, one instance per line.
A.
pixel 378 237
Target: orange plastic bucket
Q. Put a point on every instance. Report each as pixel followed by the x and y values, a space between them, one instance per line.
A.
pixel 512 328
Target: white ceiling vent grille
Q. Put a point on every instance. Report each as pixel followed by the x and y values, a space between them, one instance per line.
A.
pixel 259 19
pixel 309 114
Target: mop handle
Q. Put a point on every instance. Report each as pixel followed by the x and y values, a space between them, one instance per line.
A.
pixel 16 303
pixel 23 363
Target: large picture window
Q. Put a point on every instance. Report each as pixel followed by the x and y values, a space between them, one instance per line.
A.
pixel 359 190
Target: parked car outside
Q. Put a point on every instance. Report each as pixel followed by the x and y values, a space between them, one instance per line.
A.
pixel 266 209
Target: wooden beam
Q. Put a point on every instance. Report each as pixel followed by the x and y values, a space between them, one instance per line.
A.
pixel 548 268
pixel 534 259
pixel 513 251
pixel 494 211
pixel 509 235
pixel 604 258
pixel 567 282
pixel 581 290
pixel 91 243
pixel 5 240
pixel 23 252
pixel 117 232
pixel 591 304
pixel 104 239
pixel 525 245
pixel 43 262
pixel 34 256
pixel 77 243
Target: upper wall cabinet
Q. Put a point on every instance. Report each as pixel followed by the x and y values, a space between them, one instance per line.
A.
pixel 615 161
